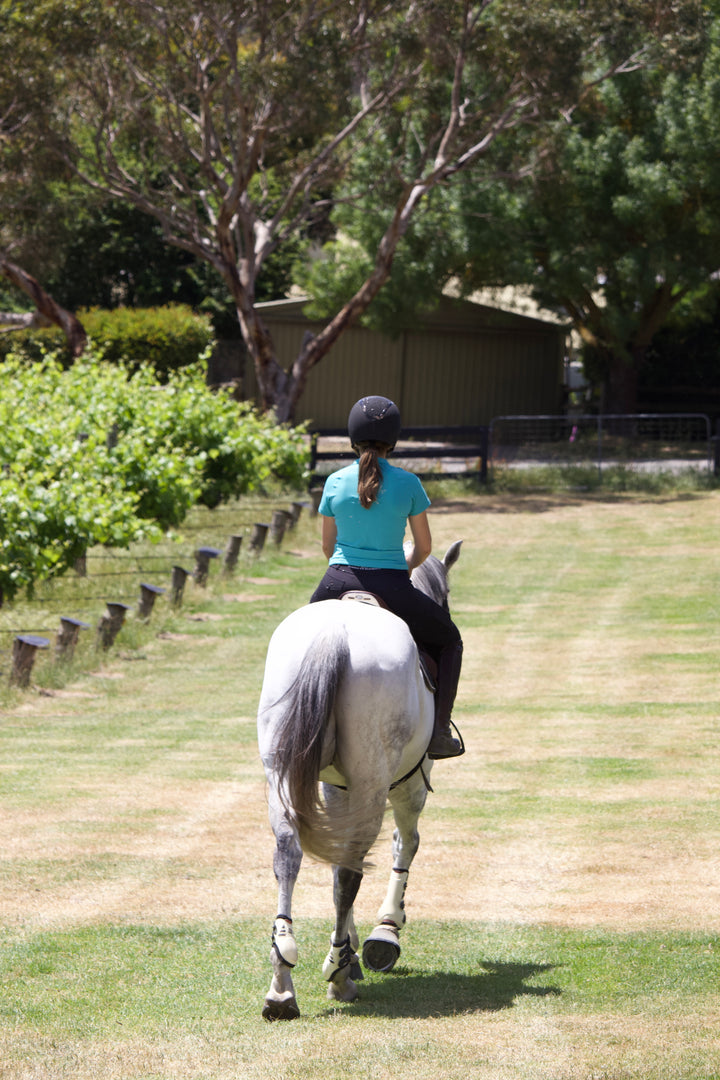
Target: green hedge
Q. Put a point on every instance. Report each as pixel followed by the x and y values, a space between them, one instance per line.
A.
pixel 163 338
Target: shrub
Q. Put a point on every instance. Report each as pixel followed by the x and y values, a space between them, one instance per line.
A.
pixel 165 338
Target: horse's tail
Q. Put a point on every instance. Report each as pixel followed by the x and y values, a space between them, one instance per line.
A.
pixel 307 708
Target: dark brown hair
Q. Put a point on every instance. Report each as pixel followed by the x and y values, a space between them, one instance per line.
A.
pixel 369 474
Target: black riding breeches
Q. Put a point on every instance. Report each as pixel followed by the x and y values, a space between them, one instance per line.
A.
pixel 429 624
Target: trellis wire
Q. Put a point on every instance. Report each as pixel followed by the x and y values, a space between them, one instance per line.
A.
pixel 110 623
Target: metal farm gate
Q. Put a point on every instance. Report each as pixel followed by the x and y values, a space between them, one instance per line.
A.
pixel 669 442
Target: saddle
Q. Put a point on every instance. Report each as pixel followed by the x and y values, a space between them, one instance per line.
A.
pixel 428 666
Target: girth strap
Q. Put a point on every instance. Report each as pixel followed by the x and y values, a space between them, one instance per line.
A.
pixel 418 767
pixel 397 783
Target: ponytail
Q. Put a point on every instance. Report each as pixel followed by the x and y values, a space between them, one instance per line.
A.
pixel 369 472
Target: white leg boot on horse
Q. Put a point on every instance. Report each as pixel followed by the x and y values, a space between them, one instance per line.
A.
pixel 281 1003
pixel 382 948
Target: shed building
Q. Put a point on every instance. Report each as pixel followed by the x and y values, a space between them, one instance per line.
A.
pixel 461 364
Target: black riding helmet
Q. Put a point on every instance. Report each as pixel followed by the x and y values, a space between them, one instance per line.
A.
pixel 374 419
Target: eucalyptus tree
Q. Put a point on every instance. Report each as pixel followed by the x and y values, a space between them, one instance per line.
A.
pixel 232 122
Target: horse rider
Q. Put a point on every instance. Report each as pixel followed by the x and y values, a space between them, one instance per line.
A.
pixel 365 508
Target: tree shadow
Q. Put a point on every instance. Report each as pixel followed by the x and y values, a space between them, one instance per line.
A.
pixel 405 993
pixel 541 503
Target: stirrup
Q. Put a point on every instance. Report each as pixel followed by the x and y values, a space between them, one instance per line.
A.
pixel 459 740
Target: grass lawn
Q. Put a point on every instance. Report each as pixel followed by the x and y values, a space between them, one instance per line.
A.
pixel 563 909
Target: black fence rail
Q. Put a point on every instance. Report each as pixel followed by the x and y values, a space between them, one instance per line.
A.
pixel 459 451
pixel 642 441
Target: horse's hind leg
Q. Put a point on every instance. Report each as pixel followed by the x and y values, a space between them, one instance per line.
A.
pixel 382 948
pixel 341 966
pixel 281 1003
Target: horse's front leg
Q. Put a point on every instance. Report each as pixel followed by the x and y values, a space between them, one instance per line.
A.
pixel 382 948
pixel 280 1002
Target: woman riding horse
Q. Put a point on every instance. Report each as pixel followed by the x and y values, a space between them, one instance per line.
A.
pixel 365 508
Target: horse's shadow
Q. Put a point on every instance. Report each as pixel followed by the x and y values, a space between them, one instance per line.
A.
pixel 404 992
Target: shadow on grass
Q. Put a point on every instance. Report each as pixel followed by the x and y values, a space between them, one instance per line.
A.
pixel 491 502
pixel 403 993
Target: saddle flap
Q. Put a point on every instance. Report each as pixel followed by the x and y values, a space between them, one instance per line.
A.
pixel 429 669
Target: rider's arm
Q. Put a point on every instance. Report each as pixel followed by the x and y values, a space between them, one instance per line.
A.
pixel 422 541
pixel 328 535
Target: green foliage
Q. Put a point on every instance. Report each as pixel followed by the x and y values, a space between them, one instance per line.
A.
pixel 559 479
pixel 439 245
pixel 107 253
pixel 164 338
pixel 687 351
pixel 424 256
pixel 236 451
pixel 236 127
pixel 102 454
pixel 610 213
pixel 622 217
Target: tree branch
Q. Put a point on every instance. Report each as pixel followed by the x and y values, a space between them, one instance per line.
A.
pixel 47 308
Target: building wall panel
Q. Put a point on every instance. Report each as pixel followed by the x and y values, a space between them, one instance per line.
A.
pixel 447 373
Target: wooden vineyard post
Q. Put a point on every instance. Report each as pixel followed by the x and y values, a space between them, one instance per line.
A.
pixel 67 637
pixel 179 577
pixel 294 513
pixel 111 623
pixel 232 552
pixel 148 596
pixel 278 526
pixel 25 648
pixel 257 538
pixel 203 556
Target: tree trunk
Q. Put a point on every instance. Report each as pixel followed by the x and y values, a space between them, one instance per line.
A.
pixel 70 325
pixel 621 389
pixel 624 366
pixel 275 384
pixel 281 390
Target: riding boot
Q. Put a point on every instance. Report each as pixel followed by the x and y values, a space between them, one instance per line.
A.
pixel 443 743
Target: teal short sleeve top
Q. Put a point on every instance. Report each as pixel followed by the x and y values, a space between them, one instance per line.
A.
pixel 372 537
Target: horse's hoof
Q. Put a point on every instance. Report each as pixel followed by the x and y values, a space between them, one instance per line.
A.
pixel 345 991
pixel 285 1009
pixel 381 949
